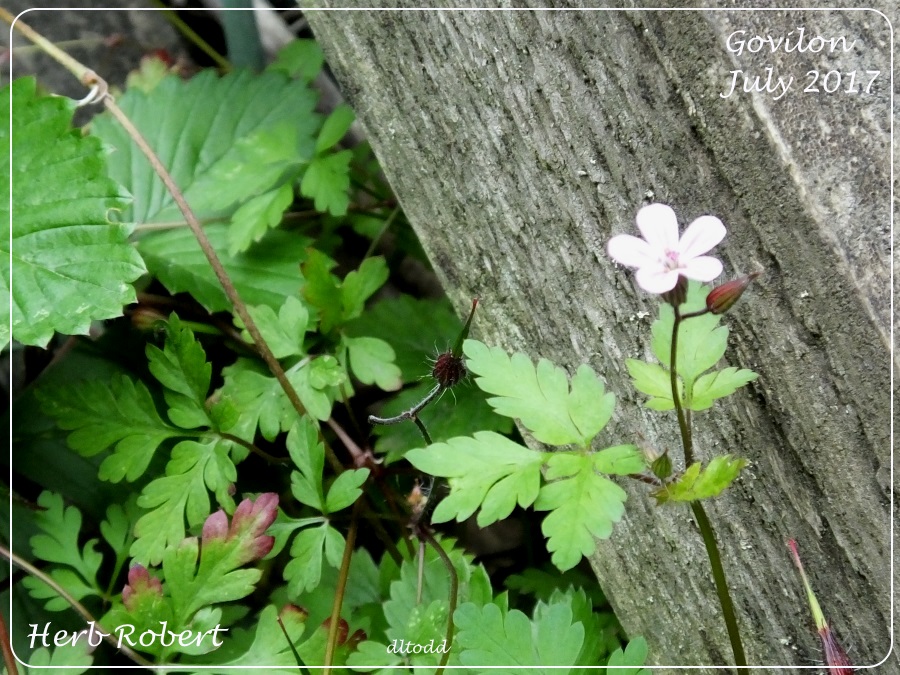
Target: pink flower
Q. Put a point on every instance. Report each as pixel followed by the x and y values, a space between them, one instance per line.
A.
pixel 661 257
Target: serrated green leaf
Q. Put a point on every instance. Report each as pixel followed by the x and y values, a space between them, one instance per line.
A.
pixel 302 59
pixel 540 397
pixel 256 217
pixel 487 471
pixel 490 639
pixel 68 659
pixel 335 126
pixel 266 274
pixel 372 362
pixel 360 284
pixel 327 182
pixel 698 482
pixel 718 384
pixel 653 380
pixel 182 369
pixel 118 413
pixel 584 506
pixel 71 264
pixel 345 490
pixel 224 140
pixel 701 340
pixel 182 495
pixel 268 646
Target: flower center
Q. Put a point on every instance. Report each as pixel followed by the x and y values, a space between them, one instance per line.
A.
pixel 670 260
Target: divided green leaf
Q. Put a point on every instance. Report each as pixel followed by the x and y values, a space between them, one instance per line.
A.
pixel 71 264
pixel 540 397
pixel 719 384
pixel 257 216
pixel 487 471
pixel 181 367
pixel 584 505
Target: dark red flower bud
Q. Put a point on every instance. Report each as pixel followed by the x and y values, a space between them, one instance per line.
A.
pixel 343 630
pixel 448 370
pixel 721 298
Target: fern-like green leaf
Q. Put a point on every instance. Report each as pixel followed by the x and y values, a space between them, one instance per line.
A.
pixel 181 367
pixel 540 397
pixel 118 413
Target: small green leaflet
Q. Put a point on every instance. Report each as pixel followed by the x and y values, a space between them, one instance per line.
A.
pixel 719 384
pixel 340 301
pixel 302 59
pixel 487 470
pixel 635 655
pixel 256 217
pixel 488 638
pixel 701 483
pixel 269 645
pixel 304 570
pixel 73 656
pixel 71 264
pixel 372 361
pixel 284 332
pixel 584 505
pixel 327 178
pixel 540 397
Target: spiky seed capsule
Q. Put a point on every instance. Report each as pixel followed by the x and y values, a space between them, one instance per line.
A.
pixel 448 370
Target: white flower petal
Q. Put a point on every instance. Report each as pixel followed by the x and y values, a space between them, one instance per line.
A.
pixel 631 251
pixel 700 236
pixel 659 226
pixel 656 279
pixel 704 268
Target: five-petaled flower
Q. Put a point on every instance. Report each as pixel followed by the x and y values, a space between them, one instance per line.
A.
pixel 661 257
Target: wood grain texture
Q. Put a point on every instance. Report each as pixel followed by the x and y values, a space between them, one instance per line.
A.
pixel 519 142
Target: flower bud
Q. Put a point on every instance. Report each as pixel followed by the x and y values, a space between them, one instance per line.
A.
pixel 662 466
pixel 721 298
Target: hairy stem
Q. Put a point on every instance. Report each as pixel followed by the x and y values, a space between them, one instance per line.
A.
pixel 408 414
pixel 687 440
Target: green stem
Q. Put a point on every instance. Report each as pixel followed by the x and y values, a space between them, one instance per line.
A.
pixel 343 575
pixel 706 529
pixel 715 561
pixel 454 590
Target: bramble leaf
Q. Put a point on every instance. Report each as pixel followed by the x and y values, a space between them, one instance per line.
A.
pixel 584 505
pixel 181 494
pixel 256 217
pixel 265 274
pixel 487 470
pixel 372 361
pixel 224 140
pixel 488 638
pixel 72 264
pixel 540 397
pixel 118 413
pixel 701 340
pixel 698 482
pixel 719 384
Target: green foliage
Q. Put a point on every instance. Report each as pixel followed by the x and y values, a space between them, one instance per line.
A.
pixel 487 470
pixel 699 482
pixel 701 343
pixel 540 397
pixel 302 59
pixel 72 264
pixel 68 659
pixel 634 655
